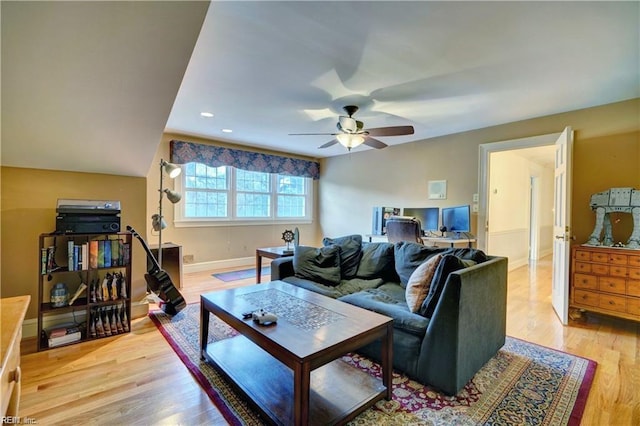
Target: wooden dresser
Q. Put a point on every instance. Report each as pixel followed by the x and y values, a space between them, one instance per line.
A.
pixel 606 280
pixel 12 312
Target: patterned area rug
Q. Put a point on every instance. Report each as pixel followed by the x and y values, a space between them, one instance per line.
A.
pixel 242 274
pixel 524 384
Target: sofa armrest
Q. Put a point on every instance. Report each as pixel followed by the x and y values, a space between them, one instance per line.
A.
pixel 281 268
pixel 468 325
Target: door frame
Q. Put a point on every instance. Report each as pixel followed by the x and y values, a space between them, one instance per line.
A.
pixel 485 151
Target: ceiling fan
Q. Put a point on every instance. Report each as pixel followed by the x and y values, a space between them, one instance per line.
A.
pixel 352 132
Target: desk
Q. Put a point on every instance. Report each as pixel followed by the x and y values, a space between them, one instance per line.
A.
pixel 171 261
pixel 429 240
pixel 12 310
pixel 269 253
pixel 451 241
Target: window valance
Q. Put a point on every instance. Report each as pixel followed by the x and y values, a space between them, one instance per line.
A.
pixel 216 156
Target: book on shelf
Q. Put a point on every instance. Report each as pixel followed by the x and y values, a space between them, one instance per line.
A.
pixel 62 340
pixel 106 247
pixel 100 253
pixel 62 330
pixel 115 253
pixel 70 251
pixel 93 254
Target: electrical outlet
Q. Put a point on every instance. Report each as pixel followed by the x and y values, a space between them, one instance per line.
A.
pixel 474 208
pixel 476 198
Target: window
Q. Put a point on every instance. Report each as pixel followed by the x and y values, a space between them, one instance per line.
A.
pixel 222 194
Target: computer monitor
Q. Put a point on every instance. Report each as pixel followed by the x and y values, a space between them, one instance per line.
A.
pixel 428 216
pixel 457 219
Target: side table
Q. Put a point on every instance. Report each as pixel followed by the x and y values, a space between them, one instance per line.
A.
pixel 269 253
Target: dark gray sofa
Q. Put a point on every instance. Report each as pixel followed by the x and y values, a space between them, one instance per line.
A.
pixel 458 328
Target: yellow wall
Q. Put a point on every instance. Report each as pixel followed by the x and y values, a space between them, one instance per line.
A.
pixel 601 163
pixel 29 198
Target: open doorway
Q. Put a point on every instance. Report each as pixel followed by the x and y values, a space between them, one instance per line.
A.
pixel 515 215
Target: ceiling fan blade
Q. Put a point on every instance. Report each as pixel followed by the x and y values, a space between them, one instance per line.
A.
pixel 391 131
pixel 313 134
pixel 328 144
pixel 374 143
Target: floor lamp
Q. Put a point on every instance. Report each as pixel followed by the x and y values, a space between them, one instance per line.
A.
pixel 157 220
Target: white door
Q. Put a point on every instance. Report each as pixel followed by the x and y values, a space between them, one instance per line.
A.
pixel 561 225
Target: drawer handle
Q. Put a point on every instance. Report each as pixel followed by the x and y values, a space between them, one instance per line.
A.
pixel 611 302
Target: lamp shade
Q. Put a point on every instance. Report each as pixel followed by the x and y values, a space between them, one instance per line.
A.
pixel 171 169
pixel 349 140
pixel 158 223
pixel 172 196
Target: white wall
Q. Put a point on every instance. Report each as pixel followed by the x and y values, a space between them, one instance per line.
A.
pixel 509 207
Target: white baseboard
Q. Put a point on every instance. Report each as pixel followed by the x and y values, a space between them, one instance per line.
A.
pixel 514 264
pixel 221 264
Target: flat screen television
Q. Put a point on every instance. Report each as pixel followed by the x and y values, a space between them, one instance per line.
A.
pixel 457 219
pixel 428 216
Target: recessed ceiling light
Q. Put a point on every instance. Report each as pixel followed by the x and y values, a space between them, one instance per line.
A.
pixel 206 114
pixel 227 130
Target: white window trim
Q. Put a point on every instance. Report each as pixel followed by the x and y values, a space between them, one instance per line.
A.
pixel 182 222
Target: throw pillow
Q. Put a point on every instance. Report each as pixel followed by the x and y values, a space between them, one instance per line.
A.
pixel 350 253
pixel 377 261
pixel 317 264
pixel 448 264
pixel 408 256
pixel 420 282
pixel 476 255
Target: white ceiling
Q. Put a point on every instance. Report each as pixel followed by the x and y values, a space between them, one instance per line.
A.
pixel 267 69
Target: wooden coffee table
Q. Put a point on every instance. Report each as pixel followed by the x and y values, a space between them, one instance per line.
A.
pixel 291 371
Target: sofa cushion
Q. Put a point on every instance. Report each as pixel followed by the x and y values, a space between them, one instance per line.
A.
pixel 388 299
pixel 350 253
pixel 377 261
pixel 345 287
pixel 408 256
pixel 466 253
pixel 317 264
pixel 449 263
pixel 325 290
pixel 420 282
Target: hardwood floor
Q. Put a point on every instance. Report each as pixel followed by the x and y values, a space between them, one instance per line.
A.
pixel 138 379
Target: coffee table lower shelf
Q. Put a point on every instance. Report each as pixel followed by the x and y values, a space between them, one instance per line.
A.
pixel 339 391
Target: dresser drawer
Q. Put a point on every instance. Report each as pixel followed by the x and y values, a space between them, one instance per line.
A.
pixel 600 269
pixel 633 288
pixel 585 298
pixel 633 306
pixel 634 260
pixel 600 257
pixel 612 285
pixel 612 303
pixel 583 255
pixel 633 273
pixel 585 281
pixel 618 259
pixel 618 271
pixel 583 267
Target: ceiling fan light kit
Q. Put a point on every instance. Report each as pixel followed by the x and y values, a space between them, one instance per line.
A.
pixel 353 134
pixel 349 140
